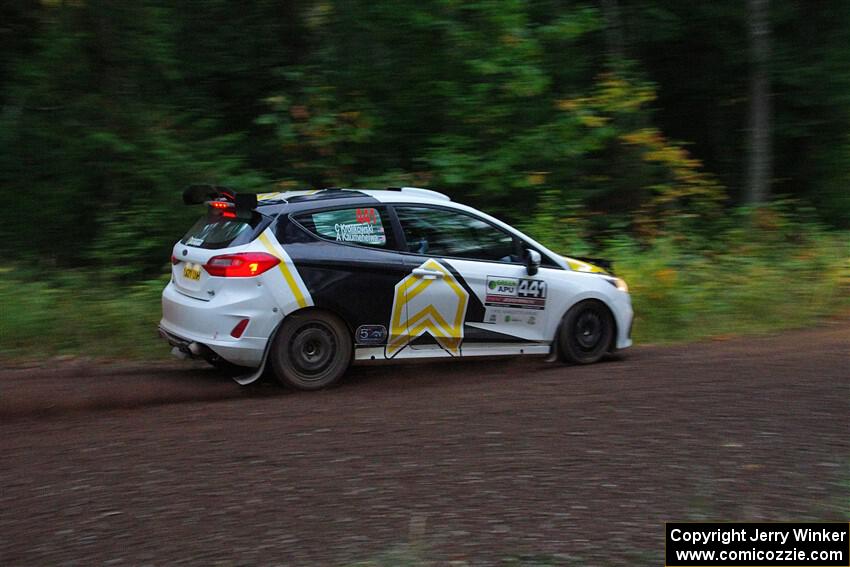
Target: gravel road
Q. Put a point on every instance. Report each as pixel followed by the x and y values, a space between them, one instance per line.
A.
pixel 475 462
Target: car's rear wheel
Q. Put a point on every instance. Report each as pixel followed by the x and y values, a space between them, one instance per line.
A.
pixel 311 351
pixel 586 332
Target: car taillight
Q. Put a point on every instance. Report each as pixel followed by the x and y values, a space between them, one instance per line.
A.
pixel 243 265
pixel 174 260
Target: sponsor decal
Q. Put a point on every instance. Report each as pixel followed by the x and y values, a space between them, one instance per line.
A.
pixel 434 306
pixel 518 293
pixel 367 216
pixel 511 315
pixel 502 286
pixel 371 335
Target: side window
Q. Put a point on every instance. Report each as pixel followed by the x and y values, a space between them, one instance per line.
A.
pixel 367 226
pixel 442 232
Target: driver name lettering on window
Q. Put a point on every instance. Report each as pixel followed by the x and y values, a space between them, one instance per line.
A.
pixel 357 226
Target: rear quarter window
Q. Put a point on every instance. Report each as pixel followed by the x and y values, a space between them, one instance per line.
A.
pixel 365 226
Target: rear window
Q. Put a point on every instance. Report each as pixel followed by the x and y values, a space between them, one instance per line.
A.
pixel 360 225
pixel 214 232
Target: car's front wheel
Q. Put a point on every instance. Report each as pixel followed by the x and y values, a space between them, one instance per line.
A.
pixel 311 351
pixel 586 332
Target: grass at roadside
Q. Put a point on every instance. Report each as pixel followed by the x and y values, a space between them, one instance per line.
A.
pixel 79 314
pixel 752 286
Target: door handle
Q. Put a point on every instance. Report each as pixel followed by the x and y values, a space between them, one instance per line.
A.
pixel 427 274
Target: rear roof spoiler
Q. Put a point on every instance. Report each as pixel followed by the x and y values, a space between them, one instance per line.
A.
pixel 244 203
pixel 198 194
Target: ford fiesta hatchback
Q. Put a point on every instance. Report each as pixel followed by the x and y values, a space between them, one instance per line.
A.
pixel 310 281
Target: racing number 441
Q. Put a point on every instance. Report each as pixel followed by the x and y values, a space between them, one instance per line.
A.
pixel 532 288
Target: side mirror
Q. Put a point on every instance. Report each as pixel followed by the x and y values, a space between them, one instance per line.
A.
pixel 532 261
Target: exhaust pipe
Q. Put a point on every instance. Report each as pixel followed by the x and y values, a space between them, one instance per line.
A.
pixel 179 353
pixel 184 349
pixel 191 350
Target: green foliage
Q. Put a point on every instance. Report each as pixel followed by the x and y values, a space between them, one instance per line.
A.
pixel 98 145
pixel 70 315
pixel 107 109
pixel 454 95
pixel 765 270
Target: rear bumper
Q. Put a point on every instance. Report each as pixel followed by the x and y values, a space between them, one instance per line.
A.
pixel 186 320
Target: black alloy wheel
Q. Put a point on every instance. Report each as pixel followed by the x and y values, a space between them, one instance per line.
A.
pixel 311 351
pixel 587 332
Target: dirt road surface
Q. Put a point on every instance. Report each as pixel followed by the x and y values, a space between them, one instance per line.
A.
pixel 474 462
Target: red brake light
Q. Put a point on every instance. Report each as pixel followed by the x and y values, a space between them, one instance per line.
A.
pixel 243 265
pixel 227 210
pixel 174 260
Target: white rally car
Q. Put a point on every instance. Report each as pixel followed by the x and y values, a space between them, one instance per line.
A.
pixel 310 281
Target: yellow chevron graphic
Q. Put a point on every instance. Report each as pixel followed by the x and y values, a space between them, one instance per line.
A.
pixel 434 317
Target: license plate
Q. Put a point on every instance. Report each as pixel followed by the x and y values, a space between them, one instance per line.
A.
pixel 191 273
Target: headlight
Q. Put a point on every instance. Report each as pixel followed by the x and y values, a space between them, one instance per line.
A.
pixel 619 283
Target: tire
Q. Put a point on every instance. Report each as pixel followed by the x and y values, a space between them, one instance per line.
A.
pixel 586 332
pixel 311 351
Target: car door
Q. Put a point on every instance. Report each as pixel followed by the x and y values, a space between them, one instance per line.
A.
pixel 348 259
pixel 469 291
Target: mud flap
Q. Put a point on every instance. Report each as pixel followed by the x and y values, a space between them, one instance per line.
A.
pixel 248 379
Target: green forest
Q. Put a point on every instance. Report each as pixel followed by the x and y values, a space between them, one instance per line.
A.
pixel 704 147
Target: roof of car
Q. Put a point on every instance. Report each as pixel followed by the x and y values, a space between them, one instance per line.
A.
pixel 296 202
pixel 389 195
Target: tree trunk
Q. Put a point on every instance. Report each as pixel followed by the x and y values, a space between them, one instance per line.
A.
pixel 614 43
pixel 760 152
